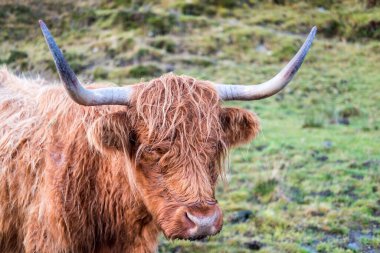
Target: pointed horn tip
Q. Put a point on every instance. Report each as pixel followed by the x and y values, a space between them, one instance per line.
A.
pixel 43 27
pixel 313 31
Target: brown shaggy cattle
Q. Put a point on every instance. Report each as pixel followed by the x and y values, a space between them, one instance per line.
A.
pixel 108 169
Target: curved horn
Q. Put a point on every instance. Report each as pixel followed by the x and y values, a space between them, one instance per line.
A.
pixel 271 87
pixel 81 95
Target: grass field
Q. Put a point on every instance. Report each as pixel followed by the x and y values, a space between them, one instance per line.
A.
pixel 311 181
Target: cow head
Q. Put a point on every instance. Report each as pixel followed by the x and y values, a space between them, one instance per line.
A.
pixel 176 133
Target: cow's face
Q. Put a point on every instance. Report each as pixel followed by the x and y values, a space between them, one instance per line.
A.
pixel 177 135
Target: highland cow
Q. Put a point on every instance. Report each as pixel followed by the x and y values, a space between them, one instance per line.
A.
pixel 108 169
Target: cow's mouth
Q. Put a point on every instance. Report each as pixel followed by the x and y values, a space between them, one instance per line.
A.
pixel 201 237
pixel 193 234
pixel 186 236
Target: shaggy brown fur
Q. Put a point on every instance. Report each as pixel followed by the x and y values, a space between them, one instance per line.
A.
pixel 109 178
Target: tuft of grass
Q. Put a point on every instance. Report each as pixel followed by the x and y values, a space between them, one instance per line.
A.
pixel 371 242
pixel 100 73
pixel 16 55
pixel 313 121
pixel 144 70
pixel 164 43
pixel 265 188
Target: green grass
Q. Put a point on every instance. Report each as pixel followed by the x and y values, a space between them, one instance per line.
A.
pixel 312 176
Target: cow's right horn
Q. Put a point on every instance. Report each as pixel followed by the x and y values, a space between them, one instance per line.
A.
pixel 271 87
pixel 81 95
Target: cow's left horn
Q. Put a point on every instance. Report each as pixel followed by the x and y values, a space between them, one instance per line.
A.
pixel 271 87
pixel 81 95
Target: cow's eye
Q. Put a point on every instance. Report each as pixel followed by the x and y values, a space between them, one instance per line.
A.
pixel 159 150
pixel 213 172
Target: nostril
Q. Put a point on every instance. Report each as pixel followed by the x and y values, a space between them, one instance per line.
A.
pixel 188 216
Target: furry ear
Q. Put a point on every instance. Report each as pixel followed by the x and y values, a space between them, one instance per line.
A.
pixel 240 126
pixel 111 132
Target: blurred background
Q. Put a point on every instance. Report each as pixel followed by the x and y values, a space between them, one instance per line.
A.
pixel 310 182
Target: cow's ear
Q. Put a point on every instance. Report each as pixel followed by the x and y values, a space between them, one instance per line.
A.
pixel 111 132
pixel 240 126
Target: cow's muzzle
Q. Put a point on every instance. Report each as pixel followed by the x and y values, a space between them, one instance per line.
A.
pixel 198 222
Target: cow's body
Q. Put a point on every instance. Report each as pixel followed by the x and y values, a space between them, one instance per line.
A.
pixel 61 190
pixel 57 193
